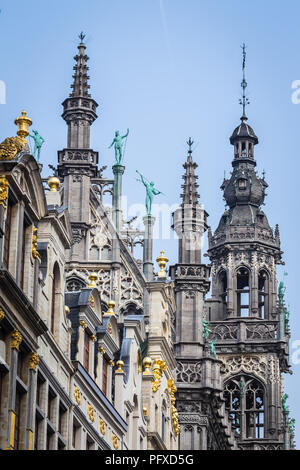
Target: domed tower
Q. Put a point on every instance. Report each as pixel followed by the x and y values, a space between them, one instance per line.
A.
pixel 245 317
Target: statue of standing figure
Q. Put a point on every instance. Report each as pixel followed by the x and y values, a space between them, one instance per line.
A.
pixel 118 142
pixel 151 191
pixel 38 142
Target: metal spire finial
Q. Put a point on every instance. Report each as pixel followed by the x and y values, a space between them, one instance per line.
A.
pixel 190 142
pixel 81 37
pixel 244 101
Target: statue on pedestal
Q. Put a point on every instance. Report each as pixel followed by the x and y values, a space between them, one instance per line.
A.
pixel 118 143
pixel 151 191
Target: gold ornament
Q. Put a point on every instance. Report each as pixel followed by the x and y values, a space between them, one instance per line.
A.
pixel 23 122
pixel 67 310
pixel 93 338
pixel 159 367
pixel 102 350
pixel 174 413
pixel 34 360
pixel 93 278
pixel 145 411
pixel 10 147
pixel 111 363
pixel 77 395
pixel 102 427
pixel 92 302
pixel 4 185
pixel 16 339
pixel 162 262
pixel 35 253
pixel 91 413
pixel 110 310
pixel 147 365
pixel 115 441
pixel 109 328
pixel 119 370
pixel 83 324
pixel 53 183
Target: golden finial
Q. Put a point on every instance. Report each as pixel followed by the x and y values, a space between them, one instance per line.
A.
pixel 147 364
pixel 53 183
pixel 145 411
pixel 111 362
pixel 23 122
pixel 119 370
pixel 162 262
pixel 110 310
pixel 93 278
pixel 67 310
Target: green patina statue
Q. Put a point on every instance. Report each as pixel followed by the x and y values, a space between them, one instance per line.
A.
pixel 292 424
pixel 287 314
pixel 283 402
pixel 206 329
pixel 38 142
pixel 150 192
pixel 281 290
pixel 118 142
pixel 212 347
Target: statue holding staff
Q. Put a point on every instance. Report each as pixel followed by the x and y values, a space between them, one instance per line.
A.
pixel 118 143
pixel 38 142
pixel 151 191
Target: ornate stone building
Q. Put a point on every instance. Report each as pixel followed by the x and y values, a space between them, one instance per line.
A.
pixel 99 352
pixel 232 348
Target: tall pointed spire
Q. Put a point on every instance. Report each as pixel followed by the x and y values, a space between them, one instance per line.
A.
pixel 244 101
pixel 79 109
pixel 79 114
pixel 190 194
pixel 80 85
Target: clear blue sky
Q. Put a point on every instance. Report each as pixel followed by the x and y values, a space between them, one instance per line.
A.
pixel 169 69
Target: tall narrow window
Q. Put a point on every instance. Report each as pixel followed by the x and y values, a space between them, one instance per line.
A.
pixel 104 375
pixel 23 251
pixel 243 293
pixel 7 233
pixel 263 294
pixel 17 419
pixel 223 291
pixel 55 298
pixel 244 401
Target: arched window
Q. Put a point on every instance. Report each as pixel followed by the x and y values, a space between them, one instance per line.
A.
pixel 244 401
pixel 243 292
pixel 263 294
pixel 55 298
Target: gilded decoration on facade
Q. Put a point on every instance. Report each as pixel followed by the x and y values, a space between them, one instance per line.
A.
pixel 34 360
pixel 174 413
pixel 77 395
pixel 102 425
pixel 35 253
pixel 159 367
pixel 4 185
pixel 2 314
pixel 10 147
pixel 16 339
pixel 91 413
pixel 115 441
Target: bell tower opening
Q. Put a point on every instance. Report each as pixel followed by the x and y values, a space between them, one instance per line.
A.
pixel 243 292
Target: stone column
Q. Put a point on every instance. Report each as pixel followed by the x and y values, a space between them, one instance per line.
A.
pixel 118 171
pixel 119 387
pixel 149 221
pixel 16 339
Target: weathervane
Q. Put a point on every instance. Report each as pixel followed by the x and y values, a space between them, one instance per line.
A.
pixel 190 143
pixel 81 36
pixel 244 101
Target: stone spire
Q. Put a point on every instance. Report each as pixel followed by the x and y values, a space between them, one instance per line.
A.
pixel 79 108
pixel 190 195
